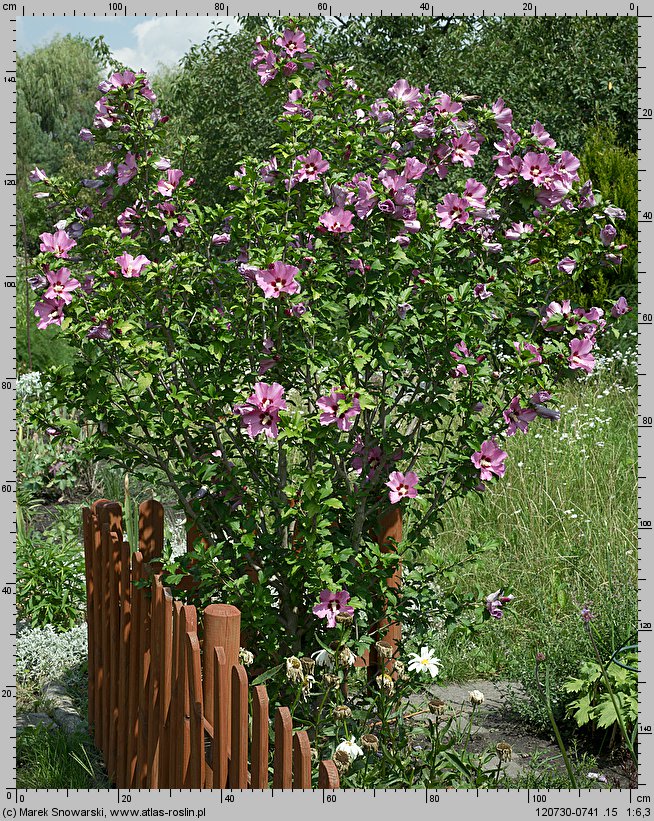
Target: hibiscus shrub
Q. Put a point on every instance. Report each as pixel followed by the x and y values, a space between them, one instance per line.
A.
pixel 361 329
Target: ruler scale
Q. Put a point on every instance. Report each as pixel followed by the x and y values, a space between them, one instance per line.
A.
pixel 623 804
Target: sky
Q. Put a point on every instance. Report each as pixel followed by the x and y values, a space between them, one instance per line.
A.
pixel 139 42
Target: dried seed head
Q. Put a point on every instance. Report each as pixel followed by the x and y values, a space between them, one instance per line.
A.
pixel 343 618
pixel 342 761
pixel 341 712
pixel 331 680
pixel 436 707
pixel 384 650
pixel 346 658
pixel 400 669
pixel 369 743
pixel 308 665
pixel 504 751
pixel 294 670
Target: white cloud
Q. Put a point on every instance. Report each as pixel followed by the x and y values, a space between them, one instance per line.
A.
pixel 164 40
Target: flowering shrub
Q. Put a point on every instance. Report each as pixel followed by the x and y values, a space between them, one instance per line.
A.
pixel 360 330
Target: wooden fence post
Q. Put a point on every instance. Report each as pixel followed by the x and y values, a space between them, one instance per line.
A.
pixel 222 718
pixel 122 758
pixel 91 596
pixel 328 776
pixel 389 534
pixel 301 761
pixel 136 651
pixel 238 757
pixel 165 687
pixel 196 724
pixel 222 628
pixel 188 624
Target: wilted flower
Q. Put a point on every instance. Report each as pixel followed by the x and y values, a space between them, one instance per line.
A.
pixel 307 683
pixel 496 601
pixel 346 657
pixel 245 657
pixel 369 743
pixel 331 680
pixel 436 706
pixel 504 751
pixel 385 683
pixel 342 760
pixel 341 712
pixel 294 671
pixel 476 697
pixel 308 665
pixel 351 748
pixel 384 650
pixel 323 658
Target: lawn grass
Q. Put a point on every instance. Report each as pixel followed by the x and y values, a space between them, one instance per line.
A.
pixel 52 759
pixel 565 517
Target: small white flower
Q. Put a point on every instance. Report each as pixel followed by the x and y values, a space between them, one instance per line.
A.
pixel 245 657
pixel 425 660
pixel 476 697
pixel 323 659
pixel 350 747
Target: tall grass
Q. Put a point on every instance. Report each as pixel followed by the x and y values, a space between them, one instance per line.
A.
pixel 565 517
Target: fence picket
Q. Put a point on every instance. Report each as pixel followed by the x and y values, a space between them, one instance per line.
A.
pixel 175 716
pixel 144 678
pixel 165 686
pixel 283 753
pixel 222 718
pixel 91 594
pixel 122 777
pixel 154 703
pixel 238 758
pixel 188 624
pixel 328 775
pixel 196 757
pixel 301 761
pixel 259 753
pixel 134 683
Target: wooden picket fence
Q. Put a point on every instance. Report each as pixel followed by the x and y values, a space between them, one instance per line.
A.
pixel 169 706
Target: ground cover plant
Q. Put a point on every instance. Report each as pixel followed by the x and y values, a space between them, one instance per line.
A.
pixel 366 330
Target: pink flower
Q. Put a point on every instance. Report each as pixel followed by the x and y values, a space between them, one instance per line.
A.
pixel 503 114
pixel 167 187
pixel 620 308
pixel 162 164
pixel 329 403
pixel 580 354
pixel 409 95
pixel 413 169
pixel 475 193
pixel 464 149
pixel 38 176
pixel 278 279
pixel 527 347
pixel 105 170
pixel 132 266
pixel 293 42
pixel 402 485
pixel 446 105
pixel 127 170
pixel 518 418
pixel 535 167
pixel 481 291
pixel 58 244
pixel 452 211
pixel 517 229
pixel 331 604
pixel 337 221
pixel 311 165
pixel 496 601
pixel 61 285
pixel 566 265
pixel 261 410
pixel 607 234
pixel 542 136
pixel 489 460
pixel 508 170
pixel 124 221
pixel 49 312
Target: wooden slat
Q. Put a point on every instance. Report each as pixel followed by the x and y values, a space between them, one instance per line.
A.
pixel 122 777
pixel 328 776
pixel 151 531
pixel 154 704
pixel 189 624
pixel 144 680
pixel 283 753
pixel 222 716
pixel 91 593
pixel 114 650
pixel 165 686
pixel 238 758
pixel 135 662
pixel 196 758
pixel 98 631
pixel 301 761
pixel 175 716
pixel 259 752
